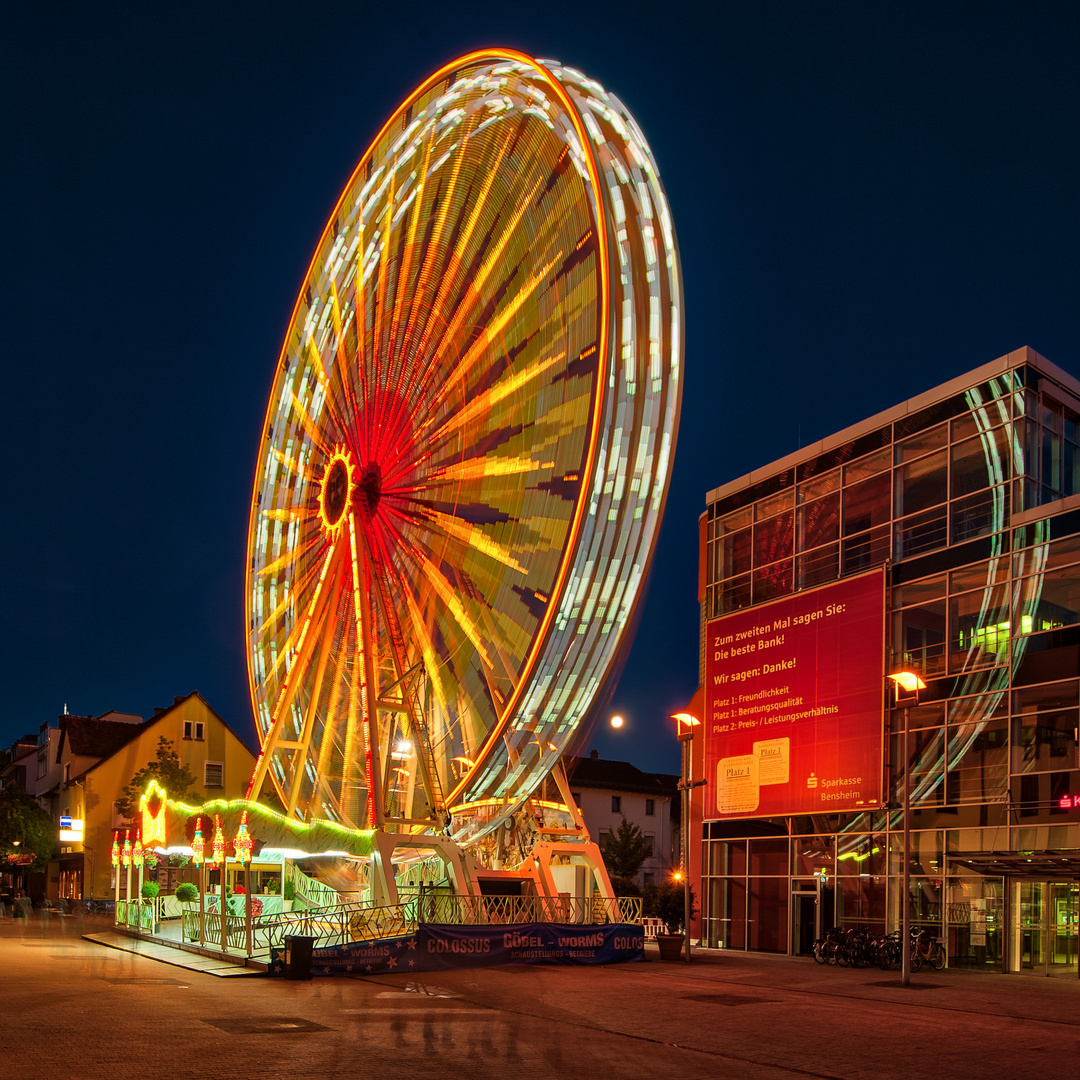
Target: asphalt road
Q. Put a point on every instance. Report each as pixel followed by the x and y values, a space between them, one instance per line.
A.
pixel 71 1008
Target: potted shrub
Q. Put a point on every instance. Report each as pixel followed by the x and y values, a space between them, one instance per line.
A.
pixel 668 904
pixel 150 890
pixel 186 894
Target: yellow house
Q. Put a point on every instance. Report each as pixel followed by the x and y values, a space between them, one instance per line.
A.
pixel 100 755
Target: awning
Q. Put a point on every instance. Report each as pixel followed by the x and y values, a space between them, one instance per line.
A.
pixel 1037 865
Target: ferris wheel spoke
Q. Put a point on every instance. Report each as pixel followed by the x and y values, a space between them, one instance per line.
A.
pixel 399 322
pixel 331 740
pixel 456 260
pixel 492 330
pixel 424 756
pixel 444 202
pixel 305 641
pixel 492 259
pixel 362 714
pixel 299 779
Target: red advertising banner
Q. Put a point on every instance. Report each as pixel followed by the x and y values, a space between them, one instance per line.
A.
pixel 793 703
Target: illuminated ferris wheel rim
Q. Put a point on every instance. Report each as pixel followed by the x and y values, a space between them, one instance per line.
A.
pixel 597 207
pixel 603 404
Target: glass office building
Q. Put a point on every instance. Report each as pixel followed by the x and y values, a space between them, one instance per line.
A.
pixel 969 497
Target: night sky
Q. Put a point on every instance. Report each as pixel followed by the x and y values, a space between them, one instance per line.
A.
pixel 869 199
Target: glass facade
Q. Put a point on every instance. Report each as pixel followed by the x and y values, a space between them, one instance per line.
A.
pixel 969 500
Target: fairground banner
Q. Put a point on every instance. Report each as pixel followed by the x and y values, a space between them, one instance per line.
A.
pixel 437 948
pixel 529 943
pixel 793 703
pixel 368 957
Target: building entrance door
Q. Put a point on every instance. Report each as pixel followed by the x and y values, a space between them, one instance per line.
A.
pixel 805 915
pixel 1044 927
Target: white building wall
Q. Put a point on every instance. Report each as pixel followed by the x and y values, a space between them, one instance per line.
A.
pixel 601 818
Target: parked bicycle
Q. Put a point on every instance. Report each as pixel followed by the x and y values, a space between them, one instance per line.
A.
pixel 854 947
pixel 926 949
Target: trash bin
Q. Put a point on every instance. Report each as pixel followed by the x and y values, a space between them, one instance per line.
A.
pixel 298 957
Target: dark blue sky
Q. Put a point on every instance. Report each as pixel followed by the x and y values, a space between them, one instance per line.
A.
pixel 869 199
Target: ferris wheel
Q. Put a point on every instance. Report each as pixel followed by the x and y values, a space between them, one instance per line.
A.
pixel 465 454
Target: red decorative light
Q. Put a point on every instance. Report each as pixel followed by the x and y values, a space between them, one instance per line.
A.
pixel 217 850
pixel 114 856
pixel 125 854
pixel 153 814
pixel 243 844
pixel 198 844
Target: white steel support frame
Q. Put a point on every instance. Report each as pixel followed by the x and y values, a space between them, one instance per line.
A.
pixel 538 865
pixel 382 884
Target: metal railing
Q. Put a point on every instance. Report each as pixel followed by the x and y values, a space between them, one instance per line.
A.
pixel 140 914
pixel 347 923
pixel 456 910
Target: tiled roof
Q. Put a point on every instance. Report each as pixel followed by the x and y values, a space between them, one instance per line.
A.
pixel 618 776
pixel 87 736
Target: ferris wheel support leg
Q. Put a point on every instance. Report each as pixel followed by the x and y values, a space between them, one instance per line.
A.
pixel 559 776
pixel 381 881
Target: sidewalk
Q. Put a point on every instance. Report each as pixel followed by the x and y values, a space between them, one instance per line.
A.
pixel 737 1015
pixel 192 958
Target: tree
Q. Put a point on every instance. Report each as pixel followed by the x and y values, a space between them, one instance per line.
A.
pixel 667 902
pixel 166 769
pixel 625 850
pixel 25 829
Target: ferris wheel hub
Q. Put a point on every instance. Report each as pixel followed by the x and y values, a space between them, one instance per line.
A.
pixel 336 491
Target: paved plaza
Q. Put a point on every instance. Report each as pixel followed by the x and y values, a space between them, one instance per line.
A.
pixel 74 1008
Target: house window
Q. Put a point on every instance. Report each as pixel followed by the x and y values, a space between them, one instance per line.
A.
pixel 650 845
pixel 200 732
pixel 650 880
pixel 650 807
pixel 576 796
pixel 616 804
pixel 604 837
pixel 42 765
pixel 213 774
pixel 187 729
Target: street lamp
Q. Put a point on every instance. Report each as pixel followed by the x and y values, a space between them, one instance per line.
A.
pixel 687 723
pixel 906 687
